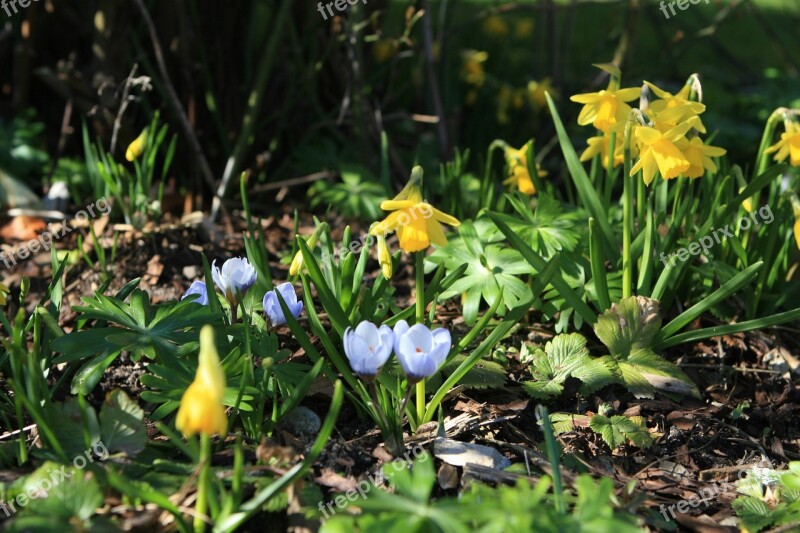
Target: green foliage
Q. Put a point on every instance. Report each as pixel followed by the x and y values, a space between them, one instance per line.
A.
pixel 770 498
pixel 132 192
pixel 137 327
pixel 522 507
pixel 357 195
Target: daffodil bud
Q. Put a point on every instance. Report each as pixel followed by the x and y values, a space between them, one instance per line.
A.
pixel 297 262
pixel 384 257
pixel 4 290
pixel 136 148
pixel 201 409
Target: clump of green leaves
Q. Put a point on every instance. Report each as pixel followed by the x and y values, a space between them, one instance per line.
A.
pixel 770 498
pixel 522 507
pixel 615 430
pixel 627 329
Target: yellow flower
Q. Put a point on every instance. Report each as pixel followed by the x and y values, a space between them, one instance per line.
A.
pixel 600 145
pixel 671 110
pixel 297 262
pixel 660 153
pixel 495 25
pixel 606 108
pixel 472 71
pixel 384 49
pixel 788 146
pixel 4 290
pixel 519 177
pixel 699 156
pixel 201 409
pixel 384 257
pixel 796 208
pixel 537 90
pixel 523 28
pixel 136 148
pixel 417 222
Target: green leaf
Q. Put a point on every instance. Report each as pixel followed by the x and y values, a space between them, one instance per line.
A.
pixel 121 424
pixel 484 375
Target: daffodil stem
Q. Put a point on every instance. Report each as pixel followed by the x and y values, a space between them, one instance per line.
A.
pixel 420 287
pixel 202 484
pixel 627 215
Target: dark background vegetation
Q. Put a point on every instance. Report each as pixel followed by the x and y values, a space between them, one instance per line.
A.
pixel 324 90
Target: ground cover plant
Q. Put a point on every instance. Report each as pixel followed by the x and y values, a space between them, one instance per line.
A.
pixel 399 265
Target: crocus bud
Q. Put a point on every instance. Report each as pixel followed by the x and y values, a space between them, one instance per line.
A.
pixel 272 307
pixel 368 348
pixel 198 288
pixel 420 351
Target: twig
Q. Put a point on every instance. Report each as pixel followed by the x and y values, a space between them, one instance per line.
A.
pixel 441 125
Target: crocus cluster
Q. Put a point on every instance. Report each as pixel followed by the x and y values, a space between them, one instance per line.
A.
pixel 420 351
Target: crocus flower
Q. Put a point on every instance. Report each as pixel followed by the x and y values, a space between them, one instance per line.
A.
pixel 368 348
pixel 418 224
pixel 3 293
pixel 272 307
pixel 199 288
pixel 235 277
pixel 420 351
pixel 201 409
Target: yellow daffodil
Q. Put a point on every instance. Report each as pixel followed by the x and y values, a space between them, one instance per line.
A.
pixel 495 25
pixel 671 110
pixel 519 177
pixel 297 262
pixel 418 224
pixel 796 208
pixel 384 257
pixel 788 146
pixel 600 145
pixel 136 148
pixel 537 90
pixel 201 409
pixel 384 49
pixel 523 28
pixel 659 152
pixel 4 290
pixel 699 156
pixel 606 108
pixel 472 70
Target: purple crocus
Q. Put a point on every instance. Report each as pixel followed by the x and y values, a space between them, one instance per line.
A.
pixel 272 307
pixel 368 348
pixel 420 351
pixel 235 277
pixel 199 288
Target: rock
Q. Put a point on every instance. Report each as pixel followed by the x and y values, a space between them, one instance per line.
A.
pixel 457 453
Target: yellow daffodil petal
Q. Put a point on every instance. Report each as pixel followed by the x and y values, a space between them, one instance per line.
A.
pixel 445 218
pixel 394 205
pixel 436 233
